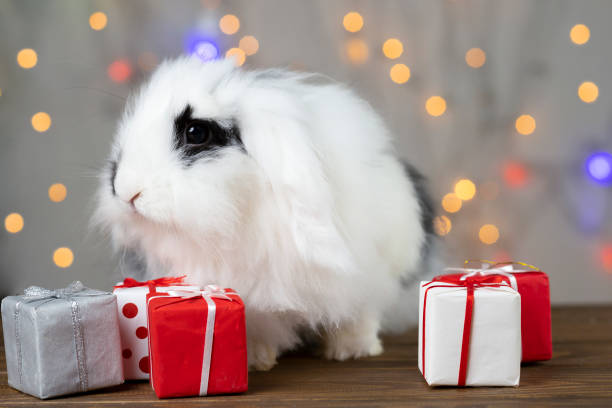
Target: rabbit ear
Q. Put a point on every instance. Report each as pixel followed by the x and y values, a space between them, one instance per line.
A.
pixel 275 134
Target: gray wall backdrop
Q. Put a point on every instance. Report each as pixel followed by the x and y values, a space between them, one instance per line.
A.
pixel 559 220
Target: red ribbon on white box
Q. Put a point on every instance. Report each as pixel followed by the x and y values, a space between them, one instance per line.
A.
pixel 470 285
pixel 209 292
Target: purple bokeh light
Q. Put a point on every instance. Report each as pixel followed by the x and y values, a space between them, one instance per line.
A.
pixel 599 167
pixel 201 45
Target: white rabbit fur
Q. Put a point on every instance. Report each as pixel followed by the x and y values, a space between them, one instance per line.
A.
pixel 313 221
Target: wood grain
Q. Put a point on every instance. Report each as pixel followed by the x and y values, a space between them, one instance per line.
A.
pixel 580 374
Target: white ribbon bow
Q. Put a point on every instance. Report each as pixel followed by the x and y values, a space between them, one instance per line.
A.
pixel 486 271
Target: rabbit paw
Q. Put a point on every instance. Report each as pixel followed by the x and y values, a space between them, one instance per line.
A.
pixel 353 340
pixel 262 357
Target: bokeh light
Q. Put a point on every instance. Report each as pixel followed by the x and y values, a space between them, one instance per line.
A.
pixel 249 44
pixel 27 58
pixel 57 192
pixel 41 121
pixel 357 50
pixel 63 257
pixel 201 45
pixel 435 106
pixel 465 189
pixel 442 225
pixel 98 20
pixel 352 22
pixel 515 174
pixel 393 48
pixel 525 124
pixel 451 203
pixel 119 71
pixel 599 167
pixel 588 92
pixel 488 234
pixel 605 257
pixel 229 24
pixel 475 57
pixel 238 55
pixel 399 73
pixel 13 223
pixel 580 34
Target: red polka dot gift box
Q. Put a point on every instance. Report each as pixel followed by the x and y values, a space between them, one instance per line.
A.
pixel 197 342
pixel 132 306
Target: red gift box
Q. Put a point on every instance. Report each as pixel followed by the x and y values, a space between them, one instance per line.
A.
pixel 197 342
pixel 534 289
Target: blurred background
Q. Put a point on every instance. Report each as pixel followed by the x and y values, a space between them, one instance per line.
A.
pixel 504 105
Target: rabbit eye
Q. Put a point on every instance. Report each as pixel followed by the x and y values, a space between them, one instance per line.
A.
pixel 195 138
pixel 198 133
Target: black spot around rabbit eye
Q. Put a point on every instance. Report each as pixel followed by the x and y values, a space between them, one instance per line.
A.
pixel 195 137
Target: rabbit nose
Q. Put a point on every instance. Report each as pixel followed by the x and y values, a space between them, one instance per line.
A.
pixel 134 198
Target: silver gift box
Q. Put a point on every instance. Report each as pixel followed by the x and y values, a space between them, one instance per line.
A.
pixel 62 341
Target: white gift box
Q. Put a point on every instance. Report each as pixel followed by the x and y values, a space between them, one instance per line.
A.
pixel 494 357
pixel 132 308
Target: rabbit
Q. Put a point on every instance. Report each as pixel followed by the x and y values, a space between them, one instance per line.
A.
pixel 281 185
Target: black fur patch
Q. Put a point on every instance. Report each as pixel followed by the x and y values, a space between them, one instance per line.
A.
pixel 113 175
pixel 217 135
pixel 425 202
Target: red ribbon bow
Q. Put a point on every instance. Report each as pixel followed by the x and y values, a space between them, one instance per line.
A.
pixel 165 281
pixel 471 283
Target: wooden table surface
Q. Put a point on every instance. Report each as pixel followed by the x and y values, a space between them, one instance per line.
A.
pixel 580 374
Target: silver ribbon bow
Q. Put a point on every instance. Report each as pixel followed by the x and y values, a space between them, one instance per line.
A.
pixel 69 293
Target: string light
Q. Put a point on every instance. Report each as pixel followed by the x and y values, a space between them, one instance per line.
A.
pixel 13 223
pixel 63 257
pixel 27 58
pixel 393 48
pixel 516 174
pixel 488 234
pixel 475 57
pixel 41 121
pixel 525 124
pixel 98 20
pixel 435 106
pixel 352 22
pixel 119 71
pixel 57 192
pixel 229 24
pixel 357 51
pixel 249 44
pixel 238 55
pixel 465 189
pixel 599 167
pixel 580 34
pixel 588 92
pixel 442 225
pixel 451 203
pixel 399 73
